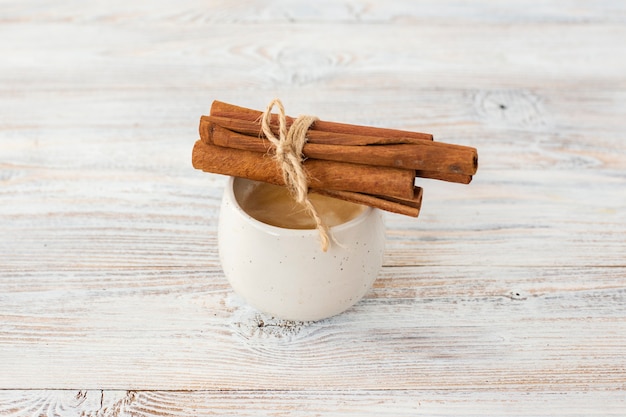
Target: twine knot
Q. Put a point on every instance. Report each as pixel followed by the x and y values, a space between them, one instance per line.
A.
pixel 289 157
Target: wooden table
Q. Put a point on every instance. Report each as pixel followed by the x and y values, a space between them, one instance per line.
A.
pixel 505 297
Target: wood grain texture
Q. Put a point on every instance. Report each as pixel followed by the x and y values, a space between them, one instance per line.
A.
pixel 427 322
pixel 506 297
pixel 97 403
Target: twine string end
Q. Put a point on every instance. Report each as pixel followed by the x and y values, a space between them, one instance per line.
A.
pixel 289 157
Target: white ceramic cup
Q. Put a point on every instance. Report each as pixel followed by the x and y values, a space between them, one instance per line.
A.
pixel 284 272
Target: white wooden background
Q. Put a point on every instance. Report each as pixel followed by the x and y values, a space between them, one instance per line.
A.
pixel 505 297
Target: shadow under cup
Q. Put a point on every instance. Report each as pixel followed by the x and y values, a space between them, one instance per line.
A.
pixel 284 272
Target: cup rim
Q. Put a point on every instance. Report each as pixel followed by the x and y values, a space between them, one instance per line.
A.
pixel 230 194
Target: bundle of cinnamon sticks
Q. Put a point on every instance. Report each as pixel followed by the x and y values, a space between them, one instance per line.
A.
pixel 367 165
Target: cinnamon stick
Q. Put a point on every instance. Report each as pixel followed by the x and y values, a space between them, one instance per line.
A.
pixel 231 111
pixel 253 128
pixel 407 207
pixel 444 176
pixel 331 175
pixel 423 156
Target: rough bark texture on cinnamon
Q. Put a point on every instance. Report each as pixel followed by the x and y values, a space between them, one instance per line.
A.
pixel 394 205
pixel 360 136
pixel 231 111
pixel 330 175
pixel 423 156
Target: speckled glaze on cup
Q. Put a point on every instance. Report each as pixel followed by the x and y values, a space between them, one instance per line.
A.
pixel 285 273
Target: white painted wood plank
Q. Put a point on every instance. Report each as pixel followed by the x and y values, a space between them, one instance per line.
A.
pixel 194 12
pixel 320 403
pixel 541 129
pixel 55 218
pixel 530 329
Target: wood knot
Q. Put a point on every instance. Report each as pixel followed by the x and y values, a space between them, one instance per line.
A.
pixel 517 296
pixel 251 324
pixel 512 108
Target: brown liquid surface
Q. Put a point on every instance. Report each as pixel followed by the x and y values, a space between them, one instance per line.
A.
pixel 274 205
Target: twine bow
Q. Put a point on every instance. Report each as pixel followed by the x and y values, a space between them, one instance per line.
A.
pixel 289 157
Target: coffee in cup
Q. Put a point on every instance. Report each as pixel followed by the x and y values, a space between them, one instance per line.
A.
pixel 274 205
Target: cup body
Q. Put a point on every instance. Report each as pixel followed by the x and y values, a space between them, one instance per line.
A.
pixel 285 273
